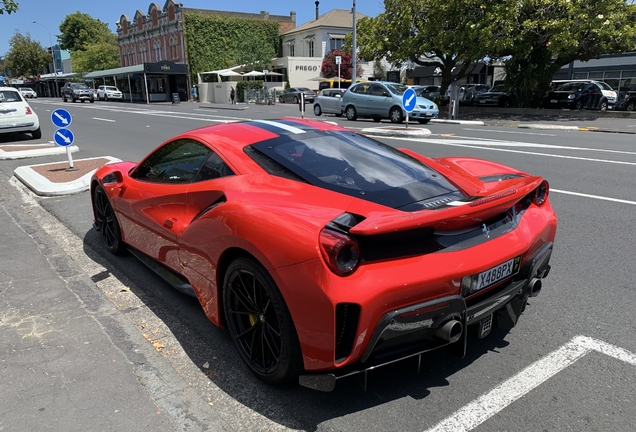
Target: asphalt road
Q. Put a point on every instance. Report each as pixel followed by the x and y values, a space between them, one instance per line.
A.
pixel 570 363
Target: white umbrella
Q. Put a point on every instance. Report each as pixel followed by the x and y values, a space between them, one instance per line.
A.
pixel 228 73
pixel 254 73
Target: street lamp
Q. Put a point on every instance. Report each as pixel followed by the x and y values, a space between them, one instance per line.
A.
pixel 52 55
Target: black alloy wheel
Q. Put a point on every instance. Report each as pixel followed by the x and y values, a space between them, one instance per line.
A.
pixel 395 115
pixel 260 323
pixel 106 222
pixel 603 106
pixel 631 106
pixel 579 105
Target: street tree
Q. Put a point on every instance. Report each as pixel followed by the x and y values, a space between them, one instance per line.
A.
pixel 98 56
pixel 441 33
pixel 329 68
pixel 78 30
pixel 255 51
pixel 8 6
pixel 541 36
pixel 26 57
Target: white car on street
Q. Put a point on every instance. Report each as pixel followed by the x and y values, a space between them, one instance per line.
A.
pixel 28 92
pixel 105 92
pixel 16 115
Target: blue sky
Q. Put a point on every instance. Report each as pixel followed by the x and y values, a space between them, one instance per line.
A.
pixel 51 13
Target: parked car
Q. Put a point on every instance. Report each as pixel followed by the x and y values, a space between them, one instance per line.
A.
pixel 326 253
pixel 77 92
pixel 497 95
pixel 427 92
pixel 16 115
pixel 105 93
pixel 609 93
pixel 28 92
pixel 328 102
pixel 383 100
pixel 469 92
pixel 576 95
pixel 293 95
pixel 628 103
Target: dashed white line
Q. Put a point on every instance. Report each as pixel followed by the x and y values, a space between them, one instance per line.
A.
pixel 594 196
pixel 103 119
pixel 475 413
pixel 510 132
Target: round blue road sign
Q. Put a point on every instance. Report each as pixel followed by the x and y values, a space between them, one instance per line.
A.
pixel 409 100
pixel 63 137
pixel 61 118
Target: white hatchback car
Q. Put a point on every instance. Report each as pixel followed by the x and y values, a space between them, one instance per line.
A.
pixel 108 93
pixel 28 92
pixel 16 115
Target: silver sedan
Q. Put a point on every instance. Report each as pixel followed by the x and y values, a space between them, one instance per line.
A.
pixel 329 102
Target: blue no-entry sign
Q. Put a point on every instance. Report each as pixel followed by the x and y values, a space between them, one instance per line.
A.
pixel 63 137
pixel 61 118
pixel 409 100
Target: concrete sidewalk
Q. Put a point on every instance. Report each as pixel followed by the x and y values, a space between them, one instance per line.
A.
pixel 70 361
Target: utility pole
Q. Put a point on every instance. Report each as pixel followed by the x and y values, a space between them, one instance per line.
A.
pixel 52 55
pixel 353 46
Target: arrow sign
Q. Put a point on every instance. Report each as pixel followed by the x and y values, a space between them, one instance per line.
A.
pixel 63 137
pixel 61 118
pixel 409 100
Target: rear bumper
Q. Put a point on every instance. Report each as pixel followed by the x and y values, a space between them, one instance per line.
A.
pixel 419 328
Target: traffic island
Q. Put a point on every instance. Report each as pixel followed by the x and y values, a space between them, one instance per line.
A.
pixel 54 179
pixel 397 131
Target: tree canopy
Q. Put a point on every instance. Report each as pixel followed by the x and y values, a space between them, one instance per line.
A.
pixel 26 57
pixel 8 6
pixel 534 38
pixel 97 56
pixel 79 30
pixel 329 68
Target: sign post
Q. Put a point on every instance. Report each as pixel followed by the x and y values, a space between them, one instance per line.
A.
pixel 301 106
pixel 338 61
pixel 63 136
pixel 409 100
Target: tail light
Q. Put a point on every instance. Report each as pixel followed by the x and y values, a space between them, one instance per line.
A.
pixel 340 251
pixel 28 111
pixel 540 194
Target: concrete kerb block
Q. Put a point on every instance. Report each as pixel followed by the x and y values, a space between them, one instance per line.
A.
pixel 32 150
pixel 546 126
pixel 397 131
pixel 42 186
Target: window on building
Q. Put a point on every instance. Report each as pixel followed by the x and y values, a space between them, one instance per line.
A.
pixel 292 51
pixel 336 42
pixel 174 51
pixel 157 47
pixel 310 48
pixel 142 52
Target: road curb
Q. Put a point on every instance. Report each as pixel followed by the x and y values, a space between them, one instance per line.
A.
pixel 42 186
pixel 547 126
pixel 397 131
pixel 462 122
pixel 46 150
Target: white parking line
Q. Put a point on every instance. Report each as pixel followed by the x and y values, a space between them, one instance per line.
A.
pixel 475 413
pixel 593 196
pixel 103 119
pixel 510 132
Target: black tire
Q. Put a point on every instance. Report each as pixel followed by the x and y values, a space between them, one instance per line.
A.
pixel 424 121
pixel 317 110
pixel 395 115
pixel 260 323
pixel 64 98
pixel 106 222
pixel 377 119
pixel 351 113
pixel 92 100
pixel 280 99
pixel 105 98
pixel 603 106
pixel 631 106
pixel 506 103
pixel 295 100
pixel 579 105
pixel 37 134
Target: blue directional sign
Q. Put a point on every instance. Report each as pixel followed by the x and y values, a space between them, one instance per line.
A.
pixel 409 100
pixel 61 118
pixel 63 137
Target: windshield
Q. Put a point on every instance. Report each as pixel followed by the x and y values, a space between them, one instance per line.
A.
pixel 112 88
pixel 605 86
pixel 79 86
pixel 571 86
pixel 498 88
pixel 355 165
pixel 25 89
pixel 397 89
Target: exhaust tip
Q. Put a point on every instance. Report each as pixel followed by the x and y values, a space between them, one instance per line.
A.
pixel 534 288
pixel 450 331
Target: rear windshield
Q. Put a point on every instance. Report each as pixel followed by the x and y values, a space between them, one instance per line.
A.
pixel 9 96
pixel 355 165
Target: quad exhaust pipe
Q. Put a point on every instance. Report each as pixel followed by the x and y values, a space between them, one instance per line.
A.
pixel 450 331
pixel 534 287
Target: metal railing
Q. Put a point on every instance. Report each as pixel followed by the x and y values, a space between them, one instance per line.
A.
pixel 261 96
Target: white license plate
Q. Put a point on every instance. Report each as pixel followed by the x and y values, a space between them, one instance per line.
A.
pixel 495 274
pixel 553 101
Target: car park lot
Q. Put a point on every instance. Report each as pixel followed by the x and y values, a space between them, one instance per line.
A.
pixel 577 330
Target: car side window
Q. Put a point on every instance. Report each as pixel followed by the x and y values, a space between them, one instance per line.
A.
pixel 176 162
pixel 213 168
pixel 359 89
pixel 378 90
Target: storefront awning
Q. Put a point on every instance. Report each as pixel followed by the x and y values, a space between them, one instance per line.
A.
pixel 336 36
pixel 117 71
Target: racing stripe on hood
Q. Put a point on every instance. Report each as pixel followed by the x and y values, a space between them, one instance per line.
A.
pixel 277 126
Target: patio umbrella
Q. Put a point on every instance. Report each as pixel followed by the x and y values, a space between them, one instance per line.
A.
pixel 229 73
pixel 253 74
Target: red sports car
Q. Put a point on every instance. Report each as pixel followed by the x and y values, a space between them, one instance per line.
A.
pixel 327 253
